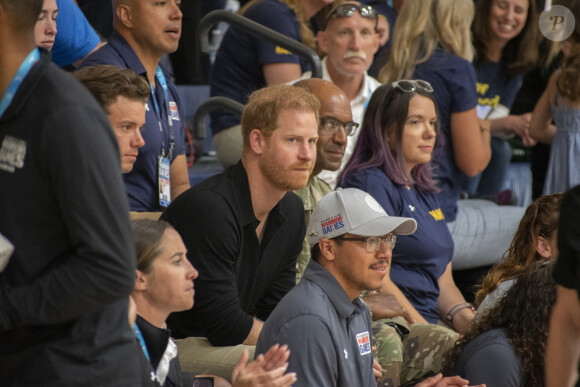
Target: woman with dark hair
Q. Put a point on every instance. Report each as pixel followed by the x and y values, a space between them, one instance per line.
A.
pixel 164 284
pixel 391 162
pixel 535 240
pixel 506 346
pixel 505 39
pixel 432 41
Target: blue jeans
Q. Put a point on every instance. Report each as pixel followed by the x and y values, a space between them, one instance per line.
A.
pixel 482 232
pixel 491 180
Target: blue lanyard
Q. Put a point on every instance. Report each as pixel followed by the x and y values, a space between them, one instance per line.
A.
pixel 141 340
pixel 22 72
pixel 368 99
pixel 161 78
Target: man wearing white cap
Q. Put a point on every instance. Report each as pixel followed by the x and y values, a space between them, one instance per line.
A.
pixel 330 336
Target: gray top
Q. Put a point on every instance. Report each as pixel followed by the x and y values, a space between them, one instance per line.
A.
pixel 329 336
pixel 490 359
pixel 493 297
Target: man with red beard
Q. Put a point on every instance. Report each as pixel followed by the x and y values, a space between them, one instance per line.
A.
pixel 243 230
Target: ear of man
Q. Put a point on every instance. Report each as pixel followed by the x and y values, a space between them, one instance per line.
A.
pixel 257 140
pixel 327 251
pixel 124 17
pixel 322 42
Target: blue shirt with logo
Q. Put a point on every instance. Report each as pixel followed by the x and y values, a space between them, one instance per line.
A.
pixel 238 69
pixel 495 86
pixel 142 182
pixel 418 259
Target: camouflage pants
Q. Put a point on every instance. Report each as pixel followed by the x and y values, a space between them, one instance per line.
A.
pixel 409 352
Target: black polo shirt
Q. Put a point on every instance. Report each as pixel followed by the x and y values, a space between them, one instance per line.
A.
pixel 239 278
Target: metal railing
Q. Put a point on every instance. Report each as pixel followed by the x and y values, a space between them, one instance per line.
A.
pixel 256 29
pixel 213 103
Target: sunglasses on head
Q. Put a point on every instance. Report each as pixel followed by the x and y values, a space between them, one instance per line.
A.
pixel 347 10
pixel 410 85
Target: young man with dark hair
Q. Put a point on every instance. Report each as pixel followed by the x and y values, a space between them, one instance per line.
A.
pixel 123 96
pixel 322 320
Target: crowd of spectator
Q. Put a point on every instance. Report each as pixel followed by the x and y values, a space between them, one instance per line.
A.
pixel 327 251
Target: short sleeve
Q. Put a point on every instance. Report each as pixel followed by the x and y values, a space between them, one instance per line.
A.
pixel 462 81
pixel 284 22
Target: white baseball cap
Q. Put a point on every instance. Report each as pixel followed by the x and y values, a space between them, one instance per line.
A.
pixel 351 210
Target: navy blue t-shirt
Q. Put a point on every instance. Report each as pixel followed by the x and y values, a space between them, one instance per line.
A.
pixel 453 81
pixel 418 259
pixel 495 86
pixel 142 182
pixel 238 69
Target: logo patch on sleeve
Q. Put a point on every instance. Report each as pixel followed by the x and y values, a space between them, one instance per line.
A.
pixel 364 343
pixel 12 154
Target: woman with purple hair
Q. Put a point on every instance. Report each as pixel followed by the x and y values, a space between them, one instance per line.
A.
pixel 392 162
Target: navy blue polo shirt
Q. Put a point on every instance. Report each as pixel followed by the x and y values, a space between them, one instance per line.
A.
pixel 142 182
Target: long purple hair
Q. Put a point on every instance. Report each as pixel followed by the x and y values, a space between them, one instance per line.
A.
pixel 384 120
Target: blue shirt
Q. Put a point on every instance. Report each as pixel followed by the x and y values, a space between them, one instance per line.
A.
pixel 418 259
pixel 329 336
pixel 495 86
pixel 238 69
pixel 75 37
pixel 489 359
pixel 453 81
pixel 142 182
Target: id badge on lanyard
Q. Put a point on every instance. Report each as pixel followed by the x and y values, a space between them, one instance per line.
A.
pixel 164 182
pixel 164 164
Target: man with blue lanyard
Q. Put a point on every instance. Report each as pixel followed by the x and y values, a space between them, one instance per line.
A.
pixel 144 31
pixel 64 291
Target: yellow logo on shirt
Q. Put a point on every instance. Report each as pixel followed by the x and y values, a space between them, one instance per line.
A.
pixel 280 50
pixel 482 88
pixel 437 214
pixel 493 102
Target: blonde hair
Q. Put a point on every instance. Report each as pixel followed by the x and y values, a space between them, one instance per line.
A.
pixel 421 27
pixel 306 35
